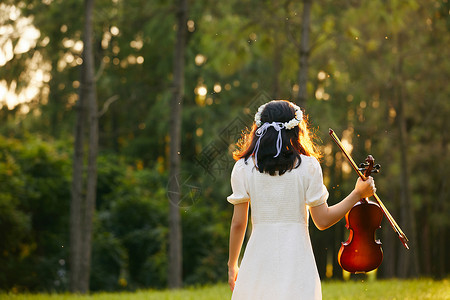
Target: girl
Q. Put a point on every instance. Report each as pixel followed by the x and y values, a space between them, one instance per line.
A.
pixel 277 171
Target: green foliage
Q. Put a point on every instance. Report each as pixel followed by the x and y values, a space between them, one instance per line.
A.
pixel 109 262
pixel 130 236
pixel 34 212
pixel 137 217
pixel 205 243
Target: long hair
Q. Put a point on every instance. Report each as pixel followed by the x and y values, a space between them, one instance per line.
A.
pixel 296 141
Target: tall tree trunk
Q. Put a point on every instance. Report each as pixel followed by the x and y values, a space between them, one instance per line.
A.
pixel 389 239
pixel 408 262
pixel 276 66
pixel 91 188
pixel 304 54
pixel 175 240
pixel 441 232
pixel 77 191
pixel 82 209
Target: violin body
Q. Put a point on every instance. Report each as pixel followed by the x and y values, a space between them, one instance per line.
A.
pixel 361 252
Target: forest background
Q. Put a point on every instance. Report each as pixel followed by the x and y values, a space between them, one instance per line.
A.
pixel 375 71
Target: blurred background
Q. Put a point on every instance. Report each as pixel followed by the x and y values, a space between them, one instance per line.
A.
pixel 377 72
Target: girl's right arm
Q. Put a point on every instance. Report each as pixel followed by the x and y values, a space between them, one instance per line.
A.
pixel 237 233
pixel 325 217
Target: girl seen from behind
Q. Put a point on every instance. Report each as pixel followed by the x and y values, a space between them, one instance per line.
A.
pixel 278 174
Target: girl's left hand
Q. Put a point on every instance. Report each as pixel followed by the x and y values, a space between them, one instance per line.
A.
pixel 232 275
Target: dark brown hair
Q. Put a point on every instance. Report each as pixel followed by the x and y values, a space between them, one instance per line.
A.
pixel 296 141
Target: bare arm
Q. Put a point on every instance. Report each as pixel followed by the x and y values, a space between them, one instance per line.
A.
pixel 237 233
pixel 325 217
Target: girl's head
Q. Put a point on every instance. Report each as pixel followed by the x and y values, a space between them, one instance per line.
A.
pixel 278 137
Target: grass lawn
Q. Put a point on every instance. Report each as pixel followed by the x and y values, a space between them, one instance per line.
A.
pixel 382 289
pixel 387 289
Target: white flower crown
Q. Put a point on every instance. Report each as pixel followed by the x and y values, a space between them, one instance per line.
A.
pixel 288 125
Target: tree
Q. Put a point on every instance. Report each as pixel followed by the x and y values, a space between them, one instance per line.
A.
pixel 175 241
pixel 408 264
pixel 304 51
pixel 82 209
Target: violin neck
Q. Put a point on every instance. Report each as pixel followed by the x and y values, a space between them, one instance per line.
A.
pixel 364 200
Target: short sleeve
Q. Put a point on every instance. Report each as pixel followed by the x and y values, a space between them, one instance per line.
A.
pixel 238 184
pixel 316 192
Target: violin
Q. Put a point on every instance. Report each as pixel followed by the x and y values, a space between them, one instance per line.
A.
pixel 361 252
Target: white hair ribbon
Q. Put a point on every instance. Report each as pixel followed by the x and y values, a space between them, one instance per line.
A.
pixel 261 131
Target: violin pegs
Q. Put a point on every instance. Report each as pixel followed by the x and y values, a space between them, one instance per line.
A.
pixel 363 167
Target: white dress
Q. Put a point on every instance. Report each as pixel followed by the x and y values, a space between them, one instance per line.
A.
pixel 278 262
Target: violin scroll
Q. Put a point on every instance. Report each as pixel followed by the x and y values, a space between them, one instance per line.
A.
pixel 363 168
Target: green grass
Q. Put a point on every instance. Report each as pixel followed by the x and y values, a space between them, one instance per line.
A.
pixel 387 289
pixel 381 290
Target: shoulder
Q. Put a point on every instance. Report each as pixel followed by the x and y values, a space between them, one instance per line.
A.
pixel 239 164
pixel 243 163
pixel 310 163
pixel 239 167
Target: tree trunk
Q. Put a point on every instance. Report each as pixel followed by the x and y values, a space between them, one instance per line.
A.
pixel 175 240
pixel 441 232
pixel 276 67
pixel 82 209
pixel 91 188
pixel 408 262
pixel 77 192
pixel 304 54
